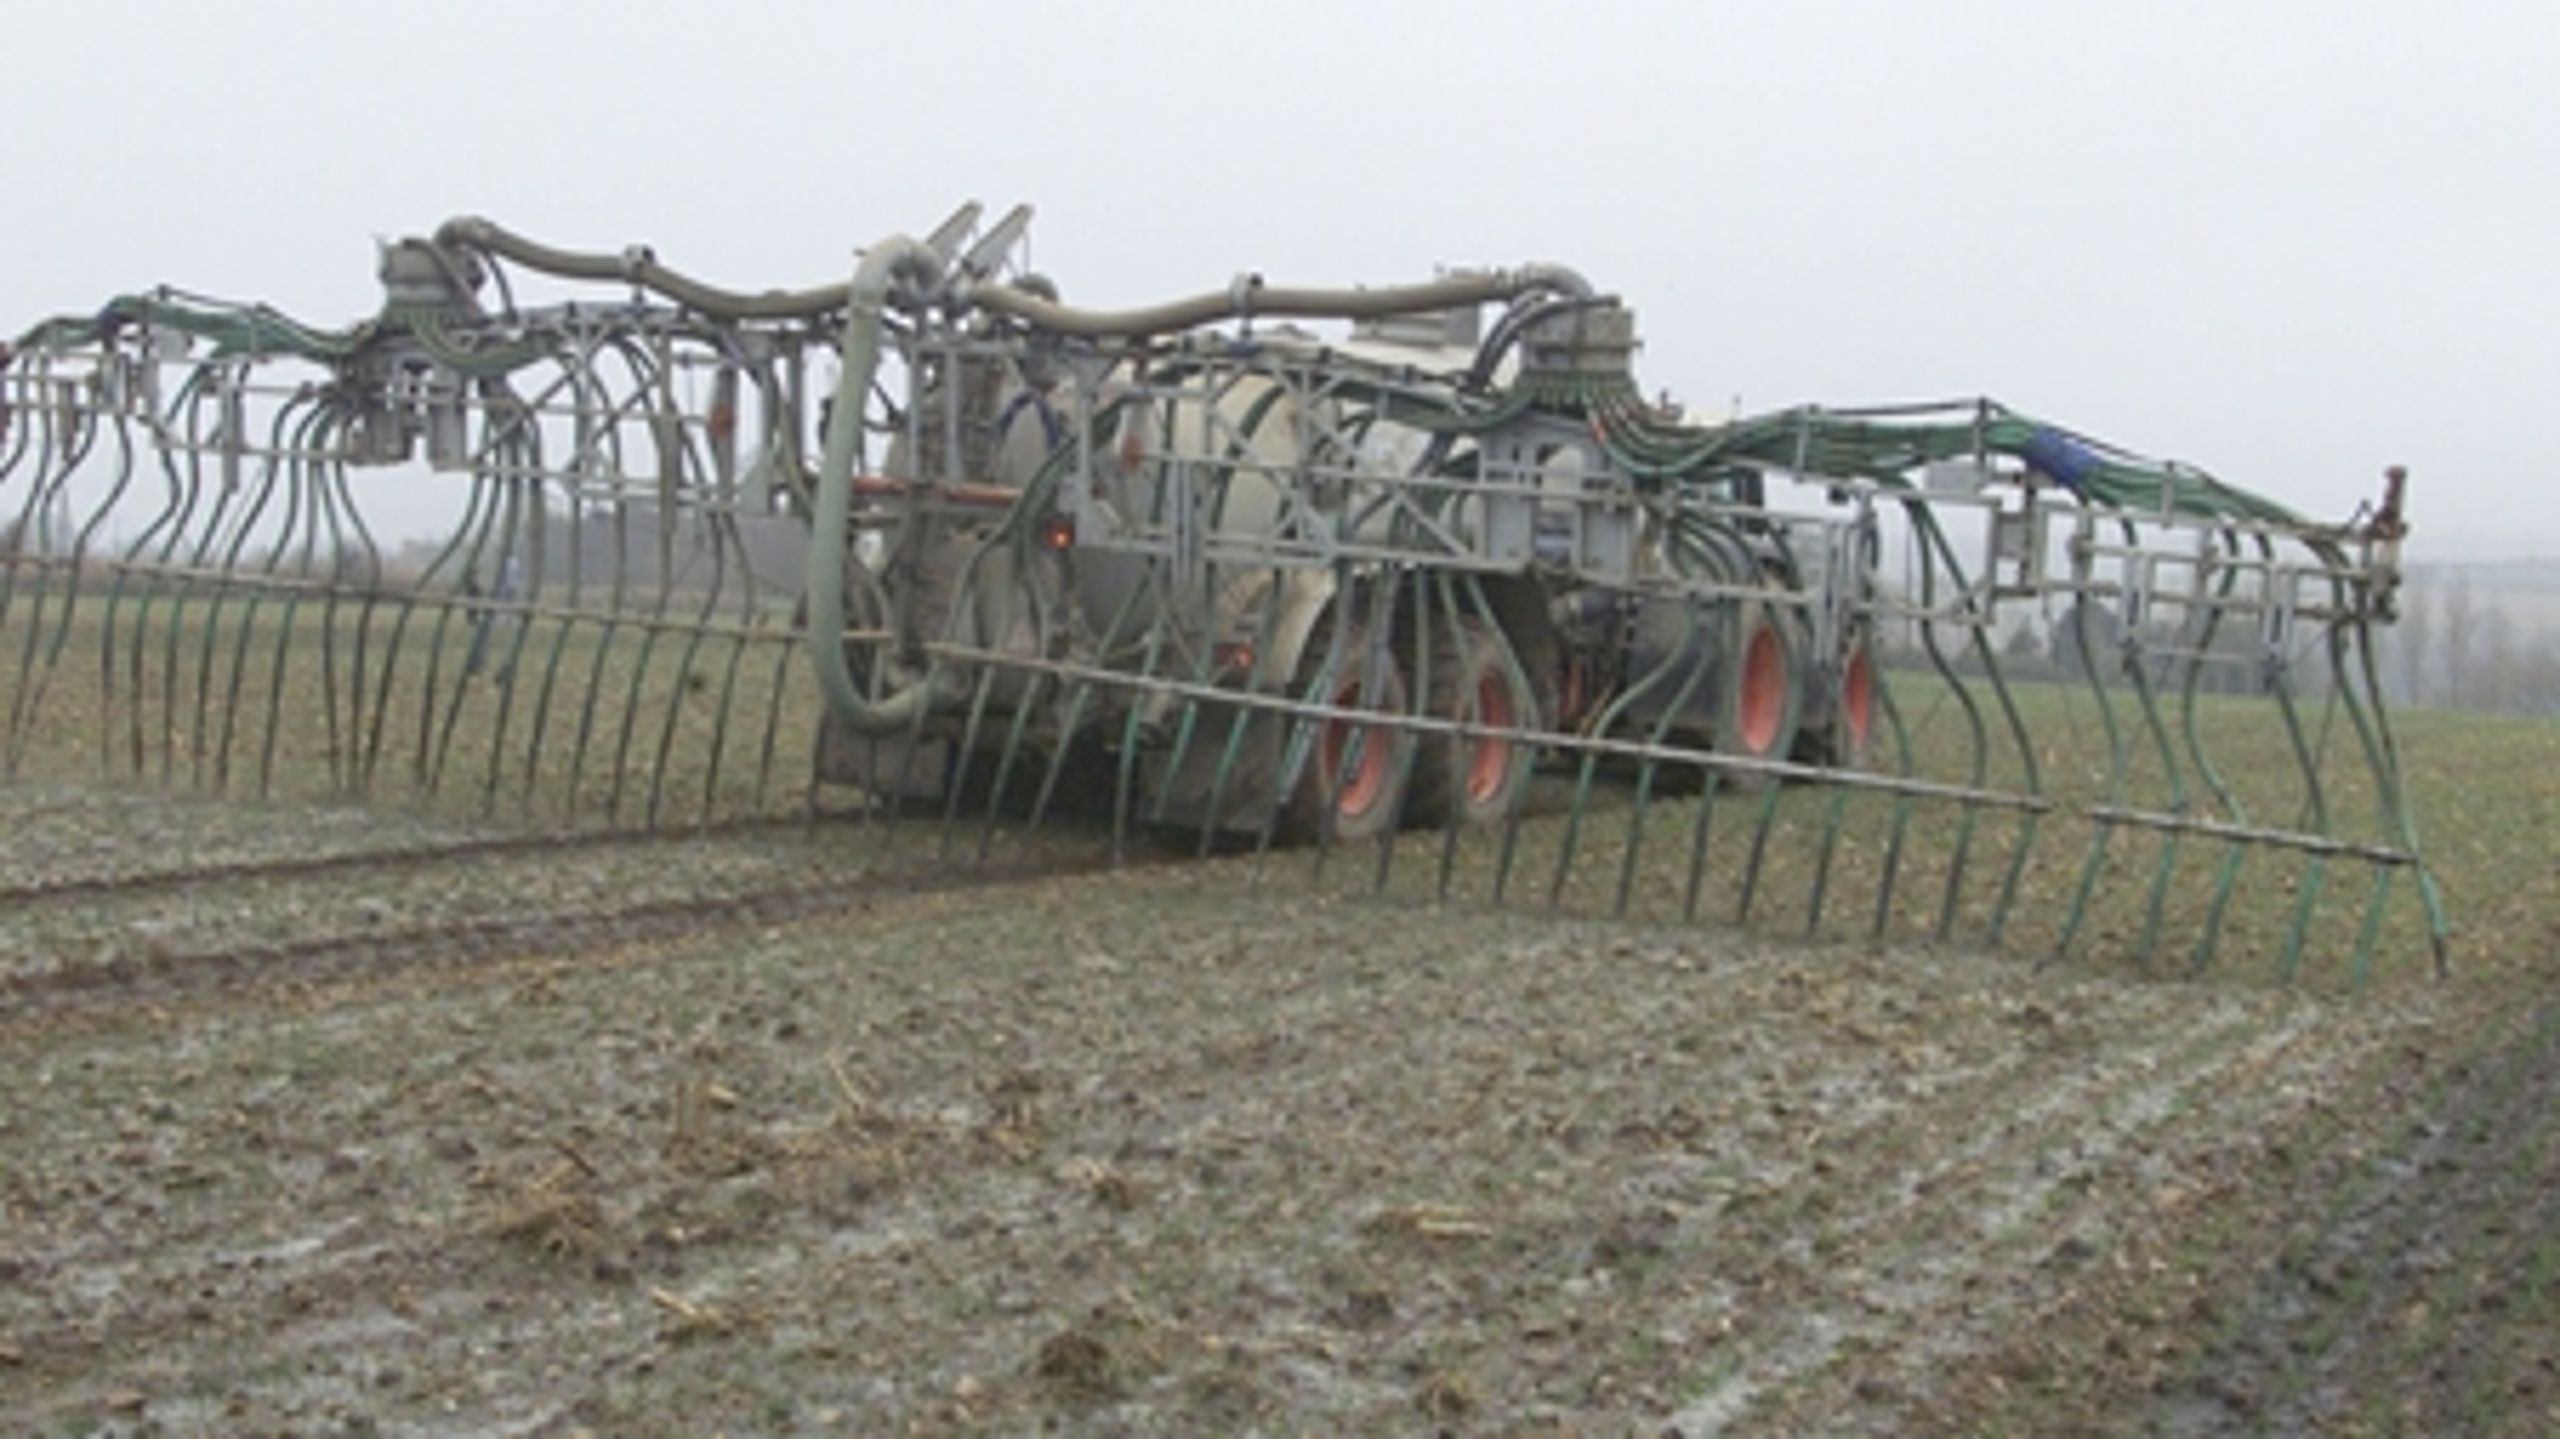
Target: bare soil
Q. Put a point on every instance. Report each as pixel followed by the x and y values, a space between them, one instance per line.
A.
pixel 321 1119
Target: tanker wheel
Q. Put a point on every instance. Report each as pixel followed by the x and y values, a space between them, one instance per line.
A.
pixel 1849 738
pixel 1841 715
pixel 1475 779
pixel 1352 784
pixel 1762 705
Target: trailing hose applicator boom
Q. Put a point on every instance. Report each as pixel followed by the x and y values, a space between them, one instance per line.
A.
pixel 1418 570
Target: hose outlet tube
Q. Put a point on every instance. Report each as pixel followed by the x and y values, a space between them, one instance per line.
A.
pixel 883 266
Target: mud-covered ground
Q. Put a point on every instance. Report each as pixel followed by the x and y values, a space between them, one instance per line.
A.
pixel 376 1121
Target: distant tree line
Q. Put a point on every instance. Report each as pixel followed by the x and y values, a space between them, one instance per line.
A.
pixel 2456 649
pixel 2451 648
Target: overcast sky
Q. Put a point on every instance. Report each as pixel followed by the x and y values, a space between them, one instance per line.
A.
pixel 2290 242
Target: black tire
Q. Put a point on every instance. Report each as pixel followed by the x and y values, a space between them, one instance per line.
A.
pixel 1475 779
pixel 1369 800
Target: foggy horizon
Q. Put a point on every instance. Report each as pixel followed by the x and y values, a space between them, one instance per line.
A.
pixel 2288 244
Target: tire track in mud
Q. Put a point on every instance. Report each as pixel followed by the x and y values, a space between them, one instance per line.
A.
pixel 30 999
pixel 316 866
pixel 2388 1308
pixel 1976 1224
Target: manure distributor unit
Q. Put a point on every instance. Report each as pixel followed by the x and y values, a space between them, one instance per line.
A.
pixel 1415 573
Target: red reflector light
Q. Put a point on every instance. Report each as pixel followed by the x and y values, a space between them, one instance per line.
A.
pixel 1058 533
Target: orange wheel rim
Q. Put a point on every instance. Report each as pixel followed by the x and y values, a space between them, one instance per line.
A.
pixel 1858 699
pixel 1489 759
pixel 1360 788
pixel 1762 705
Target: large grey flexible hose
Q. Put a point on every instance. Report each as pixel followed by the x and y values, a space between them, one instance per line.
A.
pixel 639 266
pixel 882 266
pixel 1250 297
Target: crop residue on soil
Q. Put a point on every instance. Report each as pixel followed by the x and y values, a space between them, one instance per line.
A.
pixel 1157 1151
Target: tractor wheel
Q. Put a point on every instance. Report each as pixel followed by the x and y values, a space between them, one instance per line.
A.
pixel 1352 783
pixel 1762 705
pixel 1475 779
pixel 1846 737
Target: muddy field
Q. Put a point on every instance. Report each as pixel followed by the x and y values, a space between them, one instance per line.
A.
pixel 322 1118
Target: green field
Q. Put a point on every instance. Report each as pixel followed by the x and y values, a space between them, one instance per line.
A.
pixel 574 719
